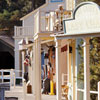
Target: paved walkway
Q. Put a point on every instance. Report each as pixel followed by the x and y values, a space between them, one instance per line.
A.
pixel 18 92
pixel 48 97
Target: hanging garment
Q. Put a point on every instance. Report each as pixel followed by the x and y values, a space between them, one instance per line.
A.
pixel 26 76
pixel 46 86
pixel 27 61
pixel 45 71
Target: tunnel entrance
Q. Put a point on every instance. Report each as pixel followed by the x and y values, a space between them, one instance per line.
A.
pixel 6 60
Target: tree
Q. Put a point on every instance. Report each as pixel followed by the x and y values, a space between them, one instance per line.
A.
pixel 94 64
pixel 79 1
pixel 12 10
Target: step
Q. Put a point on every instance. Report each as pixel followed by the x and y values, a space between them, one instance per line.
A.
pixel 15 92
pixel 48 97
pixel 17 88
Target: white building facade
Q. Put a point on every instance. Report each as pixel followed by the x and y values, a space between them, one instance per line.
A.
pixel 35 22
pixel 37 26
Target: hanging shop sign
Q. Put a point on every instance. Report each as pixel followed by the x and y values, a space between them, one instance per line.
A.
pixel 86 19
pixel 56 1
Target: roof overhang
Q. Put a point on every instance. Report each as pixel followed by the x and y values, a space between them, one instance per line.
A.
pixel 43 36
pixel 26 16
pixel 74 36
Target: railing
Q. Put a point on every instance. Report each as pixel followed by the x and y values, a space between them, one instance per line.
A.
pixel 92 92
pixel 43 22
pixel 12 77
pixel 64 79
pixel 99 90
pixel 23 31
pixel 47 21
pixel 50 22
pixel 37 22
pixel 4 77
pixel 65 82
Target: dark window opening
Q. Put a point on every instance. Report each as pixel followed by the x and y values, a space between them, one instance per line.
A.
pixel 6 60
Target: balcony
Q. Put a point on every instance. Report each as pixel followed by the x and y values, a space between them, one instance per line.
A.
pixel 45 22
pixel 23 31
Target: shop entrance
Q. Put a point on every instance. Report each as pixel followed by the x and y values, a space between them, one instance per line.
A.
pixel 48 69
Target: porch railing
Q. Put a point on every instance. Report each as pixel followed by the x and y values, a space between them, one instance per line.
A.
pixel 92 92
pixel 12 77
pixel 98 90
pixel 23 31
pixel 64 79
pixel 44 22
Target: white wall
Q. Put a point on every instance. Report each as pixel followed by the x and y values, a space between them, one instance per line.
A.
pixel 17 54
pixel 64 58
pixel 29 21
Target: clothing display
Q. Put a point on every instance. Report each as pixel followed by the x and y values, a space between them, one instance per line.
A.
pixel 46 86
pixel 26 76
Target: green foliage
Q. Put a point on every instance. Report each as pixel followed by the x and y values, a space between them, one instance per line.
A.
pixel 94 64
pixel 12 10
pixel 79 1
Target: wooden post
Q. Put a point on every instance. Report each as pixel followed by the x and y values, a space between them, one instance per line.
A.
pixel 11 77
pixel 58 69
pixel 73 71
pixel 76 71
pixel 24 90
pixel 23 70
pixel 38 69
pixel 99 90
pixel 34 68
pixel 68 61
pixel 15 32
pixel 86 70
pixel 14 79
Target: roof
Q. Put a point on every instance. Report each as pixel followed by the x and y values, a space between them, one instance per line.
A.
pixel 7 40
pixel 33 11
